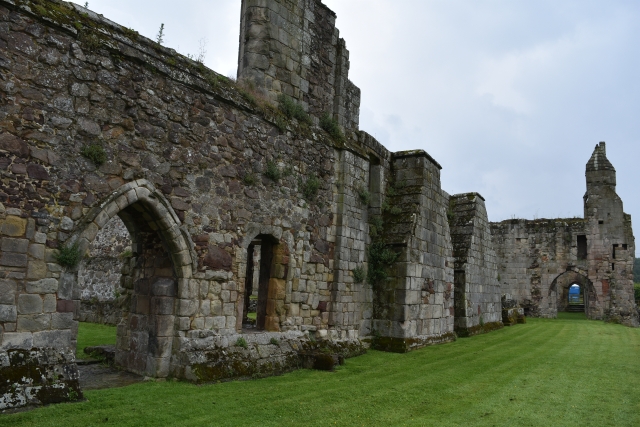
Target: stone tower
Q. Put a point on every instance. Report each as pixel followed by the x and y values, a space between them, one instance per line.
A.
pixel 610 240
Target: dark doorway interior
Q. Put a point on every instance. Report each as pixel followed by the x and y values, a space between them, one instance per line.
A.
pixel 259 265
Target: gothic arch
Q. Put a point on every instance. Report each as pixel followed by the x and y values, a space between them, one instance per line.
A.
pixel 560 286
pixel 161 265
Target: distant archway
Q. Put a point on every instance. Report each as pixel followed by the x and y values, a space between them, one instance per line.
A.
pixel 572 291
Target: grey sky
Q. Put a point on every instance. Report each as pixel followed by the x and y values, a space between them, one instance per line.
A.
pixel 510 97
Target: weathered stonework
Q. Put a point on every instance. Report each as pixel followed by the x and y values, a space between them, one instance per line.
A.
pixel 203 176
pixel 100 277
pixel 539 260
pixel 477 291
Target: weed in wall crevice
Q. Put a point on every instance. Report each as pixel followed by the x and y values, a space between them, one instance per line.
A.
pixel 358 274
pixel 331 126
pixel 94 152
pixel 272 171
pixel 310 187
pixel 68 255
pixel 292 109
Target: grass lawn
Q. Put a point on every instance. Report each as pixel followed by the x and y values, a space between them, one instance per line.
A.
pixel 90 334
pixel 548 372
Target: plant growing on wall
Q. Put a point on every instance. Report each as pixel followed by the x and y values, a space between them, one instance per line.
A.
pixel 272 171
pixel 292 109
pixel 358 274
pixel 68 256
pixel 95 153
pixel 310 187
pixel 331 126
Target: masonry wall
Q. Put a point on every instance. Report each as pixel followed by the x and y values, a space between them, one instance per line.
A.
pixel 477 296
pixel 99 284
pixel 414 306
pixel 293 48
pixel 185 159
pixel 532 254
pixel 538 260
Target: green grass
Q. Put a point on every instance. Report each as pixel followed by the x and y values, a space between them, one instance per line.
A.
pixel 90 334
pixel 548 372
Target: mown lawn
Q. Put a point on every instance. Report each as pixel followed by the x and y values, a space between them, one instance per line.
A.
pixel 90 334
pixel 564 372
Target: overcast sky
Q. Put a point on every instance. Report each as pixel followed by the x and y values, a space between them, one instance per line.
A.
pixel 509 96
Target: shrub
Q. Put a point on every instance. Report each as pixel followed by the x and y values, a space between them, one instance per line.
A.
pixel 375 226
pixel 241 342
pixel 292 109
pixel 636 291
pixel 68 256
pixel 310 188
pixel 95 153
pixel 358 274
pixel 274 341
pixel 331 126
pixel 272 172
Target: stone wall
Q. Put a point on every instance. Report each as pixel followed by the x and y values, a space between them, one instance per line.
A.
pixel 99 122
pixel 100 275
pixel 477 291
pixel 539 260
pixel 293 47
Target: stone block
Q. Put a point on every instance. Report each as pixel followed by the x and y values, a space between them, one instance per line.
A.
pixel 14 245
pixel 50 303
pixel 55 339
pixel 14 226
pixel 17 340
pixel 36 270
pixel 43 286
pixel 34 322
pixel 29 304
pixel 8 290
pixel 36 251
pixel 11 259
pixel 62 321
pixel 8 313
pixel 162 305
pixel 187 307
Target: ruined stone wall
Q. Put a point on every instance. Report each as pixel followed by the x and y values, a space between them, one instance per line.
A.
pixel 531 254
pixel 477 291
pixel 98 122
pixel 293 47
pixel 415 305
pixel 100 275
pixel 539 260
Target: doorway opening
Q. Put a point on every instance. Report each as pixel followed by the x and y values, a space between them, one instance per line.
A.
pixel 575 299
pixel 260 260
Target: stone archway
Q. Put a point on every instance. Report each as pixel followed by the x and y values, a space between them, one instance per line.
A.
pixel 559 290
pixel 161 259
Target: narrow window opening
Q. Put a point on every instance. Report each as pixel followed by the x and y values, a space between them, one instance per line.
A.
pixel 613 267
pixel 600 222
pixel 624 247
pixel 375 182
pixel 582 246
pixel 614 251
